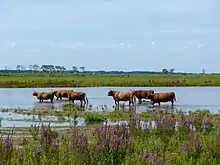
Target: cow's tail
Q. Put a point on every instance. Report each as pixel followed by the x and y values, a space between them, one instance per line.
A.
pixel 53 92
pixel 134 98
pixel 174 96
pixel 86 98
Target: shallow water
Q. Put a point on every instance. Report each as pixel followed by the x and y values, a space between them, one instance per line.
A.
pixel 188 98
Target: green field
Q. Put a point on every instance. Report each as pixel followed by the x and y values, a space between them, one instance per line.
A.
pixel 85 80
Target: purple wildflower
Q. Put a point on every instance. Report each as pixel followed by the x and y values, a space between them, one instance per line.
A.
pixel 116 141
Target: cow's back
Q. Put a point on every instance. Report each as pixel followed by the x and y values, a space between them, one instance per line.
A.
pixel 143 93
pixel 76 95
pixel 46 95
pixel 124 96
pixel 163 96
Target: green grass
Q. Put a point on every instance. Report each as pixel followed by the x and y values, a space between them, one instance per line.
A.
pixel 39 80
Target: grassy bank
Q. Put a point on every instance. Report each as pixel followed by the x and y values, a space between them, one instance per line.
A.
pixel 195 140
pixel 42 80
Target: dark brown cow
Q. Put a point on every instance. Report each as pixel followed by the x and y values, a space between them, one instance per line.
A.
pixel 142 94
pixel 44 96
pixel 162 97
pixel 73 95
pixel 122 96
pixel 61 94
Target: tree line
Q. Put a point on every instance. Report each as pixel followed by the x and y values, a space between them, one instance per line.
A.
pixel 58 68
pixel 45 68
pixel 74 69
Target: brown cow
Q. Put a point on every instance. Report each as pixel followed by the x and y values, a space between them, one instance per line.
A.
pixel 44 96
pixel 122 96
pixel 142 94
pixel 61 94
pixel 73 95
pixel 162 97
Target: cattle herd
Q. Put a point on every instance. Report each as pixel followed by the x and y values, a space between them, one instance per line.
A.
pixel 155 97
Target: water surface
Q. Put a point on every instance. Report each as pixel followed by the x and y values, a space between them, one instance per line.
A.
pixel 188 98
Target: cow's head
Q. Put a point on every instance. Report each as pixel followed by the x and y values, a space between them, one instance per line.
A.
pixel 55 93
pixel 111 93
pixel 34 94
pixel 150 96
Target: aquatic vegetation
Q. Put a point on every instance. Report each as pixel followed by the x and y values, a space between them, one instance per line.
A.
pixel 192 138
pixel 1 121
pixel 87 80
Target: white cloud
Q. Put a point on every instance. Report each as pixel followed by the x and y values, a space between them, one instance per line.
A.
pixel 13 44
pixel 9 45
pixel 122 45
pixel 77 45
pixel 65 46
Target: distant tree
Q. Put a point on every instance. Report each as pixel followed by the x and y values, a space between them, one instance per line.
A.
pixel 44 68
pixel 74 68
pixel 165 71
pixel 58 68
pixel 172 70
pixel 35 67
pixel 30 67
pixel 23 67
pixel 6 67
pixel 63 69
pixel 48 68
pixel 82 68
pixel 18 67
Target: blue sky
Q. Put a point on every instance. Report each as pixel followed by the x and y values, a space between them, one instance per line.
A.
pixel 112 34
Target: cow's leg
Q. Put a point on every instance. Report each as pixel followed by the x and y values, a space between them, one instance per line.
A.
pixel 51 100
pixel 84 100
pixel 153 103
pixel 172 102
pixel 129 104
pixel 140 101
pixel 159 103
pixel 81 103
pixel 117 104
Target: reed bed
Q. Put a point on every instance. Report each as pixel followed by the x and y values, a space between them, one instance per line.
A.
pixel 192 138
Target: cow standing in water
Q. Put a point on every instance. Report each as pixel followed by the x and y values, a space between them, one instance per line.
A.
pixel 162 97
pixel 142 94
pixel 44 96
pixel 61 94
pixel 81 96
pixel 122 96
